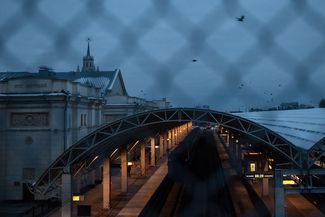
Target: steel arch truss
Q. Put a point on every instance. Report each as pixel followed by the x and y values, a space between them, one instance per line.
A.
pixel 316 152
pixel 101 139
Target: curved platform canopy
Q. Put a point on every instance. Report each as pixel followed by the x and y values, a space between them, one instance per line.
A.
pixel 104 141
pixel 305 128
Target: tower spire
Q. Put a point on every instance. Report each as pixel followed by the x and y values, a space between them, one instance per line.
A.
pixel 88 61
pixel 88 50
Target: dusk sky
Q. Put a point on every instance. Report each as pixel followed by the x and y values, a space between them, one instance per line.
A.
pixel 277 54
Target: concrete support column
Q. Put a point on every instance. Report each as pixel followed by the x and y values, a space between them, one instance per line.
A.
pixel 106 184
pixel 161 146
pixel 66 200
pixel 278 194
pixel 183 132
pixel 143 158
pixel 169 138
pixel 265 187
pixel 152 152
pixel 179 135
pixel 227 140
pixel 175 136
pixel 124 170
pixel 165 142
pixel 187 128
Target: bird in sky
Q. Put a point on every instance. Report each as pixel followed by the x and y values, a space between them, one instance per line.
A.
pixel 194 60
pixel 240 19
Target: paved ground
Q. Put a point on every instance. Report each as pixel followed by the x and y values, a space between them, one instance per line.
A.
pixel 118 200
pixel 240 197
pixel 134 207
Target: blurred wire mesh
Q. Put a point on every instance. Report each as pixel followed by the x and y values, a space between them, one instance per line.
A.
pixel 233 64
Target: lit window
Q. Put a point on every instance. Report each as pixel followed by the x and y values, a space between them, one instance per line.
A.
pixel 252 167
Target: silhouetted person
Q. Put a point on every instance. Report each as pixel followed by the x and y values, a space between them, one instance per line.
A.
pixel 240 19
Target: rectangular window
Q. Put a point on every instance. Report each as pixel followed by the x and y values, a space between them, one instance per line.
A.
pixel 81 120
pixel 85 120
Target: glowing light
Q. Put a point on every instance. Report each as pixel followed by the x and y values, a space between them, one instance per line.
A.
pixel 130 163
pixel 113 152
pixel 259 176
pixel 237 141
pixel 288 182
pixel 78 198
pixel 270 167
pixel 252 167
pixel 157 146
pixel 254 153
pixel 92 161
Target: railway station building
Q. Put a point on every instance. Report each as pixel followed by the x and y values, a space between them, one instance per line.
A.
pixel 44 113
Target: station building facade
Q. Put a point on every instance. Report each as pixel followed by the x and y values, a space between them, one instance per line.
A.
pixel 44 113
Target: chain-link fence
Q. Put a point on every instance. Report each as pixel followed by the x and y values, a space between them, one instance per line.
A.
pixel 192 52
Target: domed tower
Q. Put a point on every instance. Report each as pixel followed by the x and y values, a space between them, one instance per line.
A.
pixel 88 61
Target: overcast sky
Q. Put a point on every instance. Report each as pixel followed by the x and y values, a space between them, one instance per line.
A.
pixel 275 55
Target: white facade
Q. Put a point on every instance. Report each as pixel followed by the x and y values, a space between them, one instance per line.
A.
pixel 120 106
pixel 40 118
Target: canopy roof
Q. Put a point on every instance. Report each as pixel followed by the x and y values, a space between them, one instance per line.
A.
pixel 303 128
pixel 103 141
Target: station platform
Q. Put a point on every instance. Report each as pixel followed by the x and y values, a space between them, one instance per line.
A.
pixel 296 205
pixel 121 202
pixel 134 207
pixel 242 204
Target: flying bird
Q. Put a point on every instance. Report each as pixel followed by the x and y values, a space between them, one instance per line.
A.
pixel 194 60
pixel 240 19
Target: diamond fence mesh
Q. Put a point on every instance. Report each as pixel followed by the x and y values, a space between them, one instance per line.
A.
pixel 191 52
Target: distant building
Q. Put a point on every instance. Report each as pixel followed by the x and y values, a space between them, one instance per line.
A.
pixel 283 106
pixel 289 105
pixel 44 113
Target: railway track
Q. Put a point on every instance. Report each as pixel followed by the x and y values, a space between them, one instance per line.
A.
pixel 196 185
